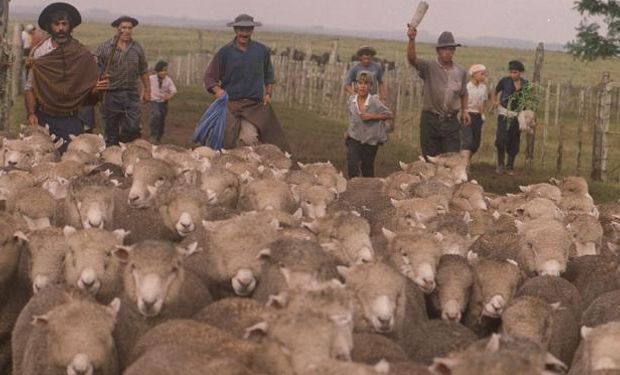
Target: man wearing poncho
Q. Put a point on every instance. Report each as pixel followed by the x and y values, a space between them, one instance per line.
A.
pixel 63 75
pixel 243 69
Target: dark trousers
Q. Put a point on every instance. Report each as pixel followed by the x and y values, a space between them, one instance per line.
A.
pixel 159 110
pixel 121 114
pixel 87 116
pixel 61 126
pixel 472 134
pixel 360 158
pixel 507 140
pixel 439 135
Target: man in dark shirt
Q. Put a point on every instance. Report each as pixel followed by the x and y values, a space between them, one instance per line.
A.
pixel 123 59
pixel 243 70
pixel 445 94
pixel 508 135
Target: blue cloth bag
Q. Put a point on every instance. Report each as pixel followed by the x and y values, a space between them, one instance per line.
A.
pixel 210 128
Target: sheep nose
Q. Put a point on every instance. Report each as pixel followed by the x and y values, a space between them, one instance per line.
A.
pixel 11 163
pixel 384 322
pixel 148 305
pixel 133 197
pixel 244 283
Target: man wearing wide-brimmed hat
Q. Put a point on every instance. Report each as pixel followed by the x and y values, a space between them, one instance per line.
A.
pixel 243 70
pixel 365 55
pixel 123 60
pixel 445 94
pixel 63 74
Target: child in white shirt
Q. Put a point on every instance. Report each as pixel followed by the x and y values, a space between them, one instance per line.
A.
pixel 162 90
pixel 477 94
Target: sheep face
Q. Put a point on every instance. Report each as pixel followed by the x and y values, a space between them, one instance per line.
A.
pixel 347 237
pixel 454 283
pixel 95 206
pixel 268 194
pixel 415 212
pixel 183 213
pixel 79 336
pixel 545 247
pixel 586 232
pixel 18 154
pixel 131 154
pixel 89 263
pixel 47 248
pixel 87 143
pixel 9 247
pixel 13 182
pixel 473 194
pixel 113 155
pixel 600 344
pixel 495 282
pixel 221 186
pixel 148 176
pixel 153 273
pixel 540 208
pixel 313 200
pixel 543 190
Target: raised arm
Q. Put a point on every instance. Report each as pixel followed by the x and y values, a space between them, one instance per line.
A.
pixel 412 32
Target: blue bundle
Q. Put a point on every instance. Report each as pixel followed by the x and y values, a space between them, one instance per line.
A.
pixel 210 128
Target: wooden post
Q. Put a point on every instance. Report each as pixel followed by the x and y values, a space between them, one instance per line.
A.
pixel 536 80
pixel 546 124
pixel 333 55
pixel 601 127
pixel 581 119
pixel 200 42
pixel 5 66
pixel 560 126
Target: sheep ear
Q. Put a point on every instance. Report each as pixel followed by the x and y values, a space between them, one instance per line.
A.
pixel 343 271
pixel 277 301
pixel 520 226
pixel 443 366
pixel 395 203
pixel 403 187
pixel 496 215
pixel 433 159
pixel 554 363
pixel 120 234
pixel 68 230
pixel 585 332
pixel 612 247
pixel 298 214
pixel 388 234
pixel 554 181
pixel 123 146
pixel 21 236
pixel 296 193
pixel 288 156
pixel 264 254
pixel 472 258
pixel 438 236
pixel 402 165
pixel 114 307
pixel 40 320
pixel 189 250
pixel 72 137
pixel 525 189
pixel 557 306
pixel 493 344
pixel 122 253
pixel 301 165
pixel 467 217
pixel 257 330
pixel 312 226
pixel 513 262
pixel 355 213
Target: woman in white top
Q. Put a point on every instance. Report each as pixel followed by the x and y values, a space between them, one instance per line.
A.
pixel 162 90
pixel 477 93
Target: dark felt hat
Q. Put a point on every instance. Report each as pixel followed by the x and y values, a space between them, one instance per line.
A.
pixel 366 50
pixel 244 20
pixel 45 18
pixel 116 22
pixel 516 65
pixel 446 39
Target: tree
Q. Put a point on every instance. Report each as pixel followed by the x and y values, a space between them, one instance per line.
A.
pixel 590 44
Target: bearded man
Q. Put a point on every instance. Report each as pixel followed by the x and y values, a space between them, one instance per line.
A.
pixel 63 75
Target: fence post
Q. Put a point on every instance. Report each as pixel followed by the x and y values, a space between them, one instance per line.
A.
pixel 601 127
pixel 560 126
pixel 333 55
pixel 536 80
pixel 546 125
pixel 581 119
pixel 5 66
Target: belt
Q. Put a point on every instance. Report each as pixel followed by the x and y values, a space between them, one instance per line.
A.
pixel 442 116
pixel 58 114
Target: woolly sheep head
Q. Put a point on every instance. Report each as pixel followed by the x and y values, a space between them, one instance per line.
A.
pixel 544 246
pixel 600 343
pixel 149 176
pixel 221 186
pixel 88 143
pixel 46 248
pixel 18 154
pixel 10 242
pixel 79 336
pixel 153 273
pixel 454 283
pixel 94 205
pixel 183 208
pixel 313 199
pixel 495 282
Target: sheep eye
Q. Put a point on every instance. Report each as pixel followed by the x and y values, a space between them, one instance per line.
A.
pixel 308 202
pixel 175 269
pixel 132 266
pixel 281 265
pixel 161 179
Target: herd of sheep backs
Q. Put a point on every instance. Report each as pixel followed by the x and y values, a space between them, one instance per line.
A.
pixel 145 259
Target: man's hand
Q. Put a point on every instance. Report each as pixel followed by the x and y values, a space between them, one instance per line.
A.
pixel 103 83
pixel 146 96
pixel 33 120
pixel 412 32
pixel 365 116
pixel 465 118
pixel 266 99
pixel 218 91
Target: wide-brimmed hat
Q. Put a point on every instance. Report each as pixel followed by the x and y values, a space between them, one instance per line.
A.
pixel 446 39
pixel 116 22
pixel 74 15
pixel 244 20
pixel 366 50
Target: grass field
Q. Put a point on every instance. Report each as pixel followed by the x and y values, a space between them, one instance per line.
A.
pixel 314 138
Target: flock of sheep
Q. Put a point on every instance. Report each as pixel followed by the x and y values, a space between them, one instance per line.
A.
pixel 145 259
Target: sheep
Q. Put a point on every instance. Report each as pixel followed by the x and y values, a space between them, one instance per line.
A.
pixel 267 194
pixel 593 275
pixel 181 156
pixel 40 304
pixel 602 310
pixel 233 314
pixel 468 196
pixel 433 186
pixel 398 185
pixel 18 154
pixel 454 283
pixel 206 152
pixel 313 199
pixel 540 208
pixel 293 263
pixel 345 236
pixel 370 348
pixel 436 338
pixel 183 359
pixel 495 283
pixel 542 190
pixel 113 155
pixel 416 212
pixel 131 154
pixel 587 234
pixel 610 220
pixel 75 337
pixel 566 303
pixel 221 187
pixel 14 292
pixel 598 350
pixel 455 162
pixel 508 204
pixel 528 317
pixel 182 208
pixel 244 166
pixel 271 156
pixel 148 176
pixel 327 175
pixel 499 245
pixel 13 182
pixel 155 288
pixel 35 205
pixel 416 256
pixel 419 168
pixel 46 252
pixel 81 157
pixel 545 246
pixel 92 202
pixel 187 334
pixel 88 143
pixel 233 254
pixel 89 263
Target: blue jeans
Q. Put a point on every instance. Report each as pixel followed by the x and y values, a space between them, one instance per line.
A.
pixel 121 114
pixel 61 126
pixel 159 110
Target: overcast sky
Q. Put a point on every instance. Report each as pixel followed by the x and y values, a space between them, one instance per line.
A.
pixel 550 21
